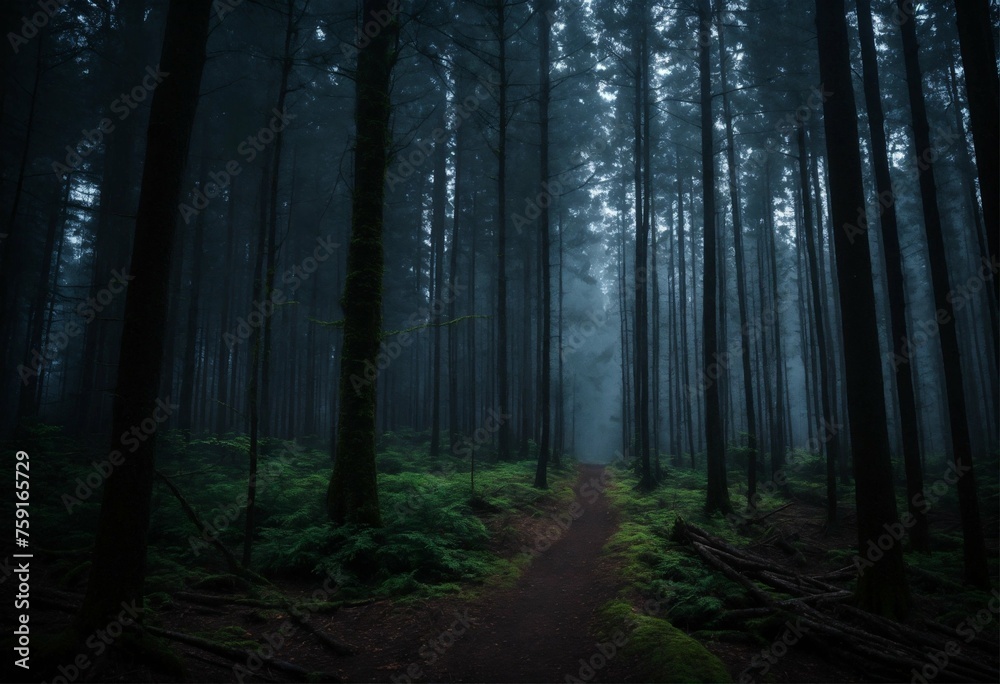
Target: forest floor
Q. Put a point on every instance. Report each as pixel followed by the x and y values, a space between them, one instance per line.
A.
pixel 534 631
pixel 547 624
pixel 543 628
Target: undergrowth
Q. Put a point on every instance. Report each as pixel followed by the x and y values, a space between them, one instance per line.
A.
pixel 440 529
pixel 699 597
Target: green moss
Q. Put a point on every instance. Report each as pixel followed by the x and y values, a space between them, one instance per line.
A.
pixel 665 653
pixel 657 566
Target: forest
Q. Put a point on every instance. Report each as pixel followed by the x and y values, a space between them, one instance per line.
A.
pixel 500 340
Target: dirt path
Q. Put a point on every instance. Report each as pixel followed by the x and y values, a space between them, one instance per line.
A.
pixel 537 631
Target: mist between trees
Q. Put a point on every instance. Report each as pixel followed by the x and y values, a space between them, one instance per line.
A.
pixel 752 245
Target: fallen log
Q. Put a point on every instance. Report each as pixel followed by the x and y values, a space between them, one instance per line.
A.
pixel 241 655
pixel 886 649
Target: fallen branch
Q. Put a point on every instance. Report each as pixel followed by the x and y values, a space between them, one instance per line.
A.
pixel 883 649
pixel 239 655
pixel 239 570
pixel 234 565
pixel 759 518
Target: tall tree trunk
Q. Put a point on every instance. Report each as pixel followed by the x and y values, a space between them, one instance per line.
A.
pixel 112 232
pixel 827 436
pixel 11 268
pixel 741 284
pixel 903 369
pixel 652 388
pixel 677 405
pixel 717 498
pixel 438 198
pixel 27 406
pixel 226 358
pixel 965 164
pixel 545 326
pixel 974 548
pixel 353 493
pixel 191 328
pixel 975 35
pixel 453 419
pixel 119 558
pixel 53 289
pixel 253 368
pixel 683 355
pixel 503 447
pixel 838 445
pixel 778 422
pixel 882 585
pixel 560 431
pixel 264 293
pixel 640 370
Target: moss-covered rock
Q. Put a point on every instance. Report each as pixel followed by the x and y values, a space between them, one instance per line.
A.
pixel 665 653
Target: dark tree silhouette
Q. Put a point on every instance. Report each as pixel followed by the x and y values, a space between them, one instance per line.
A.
pixel 718 490
pixel 882 585
pixel 974 547
pixel 353 493
pixel 119 557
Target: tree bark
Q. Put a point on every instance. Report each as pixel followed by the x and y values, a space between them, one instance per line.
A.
pixel 882 587
pixel 119 557
pixel 718 490
pixel 545 327
pixel 974 548
pixel 975 36
pixel 353 493
pixel 896 281
pixel 503 447
pixel 827 436
pixel 741 283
